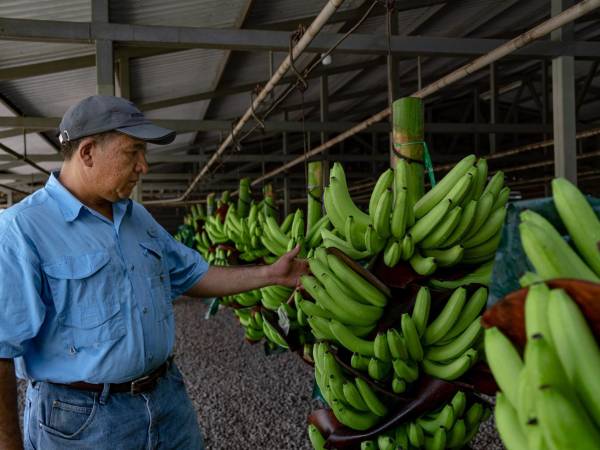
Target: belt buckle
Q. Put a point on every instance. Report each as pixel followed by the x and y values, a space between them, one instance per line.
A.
pixel 142 383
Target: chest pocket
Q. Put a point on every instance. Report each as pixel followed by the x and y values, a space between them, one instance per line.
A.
pixel 157 278
pixel 86 293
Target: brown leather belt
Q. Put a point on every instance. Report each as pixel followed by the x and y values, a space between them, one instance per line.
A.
pixel 138 386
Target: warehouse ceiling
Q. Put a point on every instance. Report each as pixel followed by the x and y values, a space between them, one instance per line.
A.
pixel 205 89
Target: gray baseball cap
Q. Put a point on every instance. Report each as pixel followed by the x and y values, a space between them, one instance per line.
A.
pixel 101 113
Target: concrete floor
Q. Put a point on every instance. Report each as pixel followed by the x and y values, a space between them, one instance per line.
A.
pixel 246 400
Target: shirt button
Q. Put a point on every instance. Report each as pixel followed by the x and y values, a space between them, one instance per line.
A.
pixel 131 268
pixel 144 310
pixel 162 278
pixel 72 350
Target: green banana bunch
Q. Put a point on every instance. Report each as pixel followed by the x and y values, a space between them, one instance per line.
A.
pixel 435 196
pixel 273 296
pixel 579 219
pixel 482 275
pixel 450 426
pixel 549 400
pixel 548 252
pixel 316 438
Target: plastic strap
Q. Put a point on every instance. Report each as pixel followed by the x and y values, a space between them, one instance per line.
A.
pixel 426 158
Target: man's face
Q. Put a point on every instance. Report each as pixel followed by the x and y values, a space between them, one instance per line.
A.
pixel 119 161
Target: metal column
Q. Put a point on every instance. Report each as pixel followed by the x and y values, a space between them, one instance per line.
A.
pixel 9 199
pixel 493 105
pixel 136 193
pixel 476 119
pixel 392 70
pixel 563 102
pixel 324 103
pixel 105 78
pixel 286 178
pixel 124 77
pixel 324 109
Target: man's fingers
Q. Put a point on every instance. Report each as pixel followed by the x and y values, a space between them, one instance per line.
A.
pixel 294 252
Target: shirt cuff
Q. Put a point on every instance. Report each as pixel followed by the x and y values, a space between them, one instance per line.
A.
pixel 8 351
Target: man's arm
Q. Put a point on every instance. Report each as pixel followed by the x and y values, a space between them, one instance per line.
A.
pixel 222 281
pixel 10 434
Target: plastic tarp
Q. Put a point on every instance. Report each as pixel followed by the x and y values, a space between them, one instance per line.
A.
pixel 511 262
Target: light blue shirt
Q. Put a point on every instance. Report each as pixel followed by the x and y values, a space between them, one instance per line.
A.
pixel 86 299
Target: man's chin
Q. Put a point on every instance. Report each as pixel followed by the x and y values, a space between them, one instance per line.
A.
pixel 124 193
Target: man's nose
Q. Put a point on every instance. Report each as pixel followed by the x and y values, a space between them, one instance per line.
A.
pixel 142 165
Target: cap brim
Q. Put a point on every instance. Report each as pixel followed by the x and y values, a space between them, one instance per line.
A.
pixel 149 133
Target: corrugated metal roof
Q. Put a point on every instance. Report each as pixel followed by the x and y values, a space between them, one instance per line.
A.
pixel 13 53
pixel 50 95
pixel 459 20
pixel 68 10
pixel 271 11
pixel 185 13
pixel 175 74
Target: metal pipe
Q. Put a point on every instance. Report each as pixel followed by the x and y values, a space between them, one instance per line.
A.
pixel 314 28
pixel 10 188
pixel 23 158
pixel 569 15
pixel 526 148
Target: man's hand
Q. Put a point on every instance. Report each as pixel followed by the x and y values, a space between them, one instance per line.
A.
pixel 287 270
pixel 222 281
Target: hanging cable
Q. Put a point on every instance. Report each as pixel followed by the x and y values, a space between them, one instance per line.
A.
pixel 307 71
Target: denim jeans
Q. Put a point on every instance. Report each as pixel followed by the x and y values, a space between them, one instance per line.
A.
pixel 58 417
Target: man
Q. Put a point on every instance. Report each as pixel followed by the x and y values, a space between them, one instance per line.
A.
pixel 87 281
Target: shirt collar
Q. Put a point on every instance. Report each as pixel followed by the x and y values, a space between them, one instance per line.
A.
pixel 71 206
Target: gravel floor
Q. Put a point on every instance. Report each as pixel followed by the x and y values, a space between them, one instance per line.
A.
pixel 244 399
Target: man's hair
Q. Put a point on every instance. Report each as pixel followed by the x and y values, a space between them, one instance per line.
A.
pixel 69 148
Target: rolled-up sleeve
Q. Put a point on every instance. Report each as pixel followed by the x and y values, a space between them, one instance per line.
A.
pixel 186 265
pixel 22 310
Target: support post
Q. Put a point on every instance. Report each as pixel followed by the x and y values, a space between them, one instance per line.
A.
pixel 477 118
pixel 374 152
pixel 105 78
pixel 545 90
pixel 9 199
pixel 392 67
pixel 136 193
pixel 493 105
pixel 286 180
pixel 563 102
pixel 314 187
pixel 124 77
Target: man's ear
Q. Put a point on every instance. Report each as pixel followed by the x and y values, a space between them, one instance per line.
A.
pixel 85 151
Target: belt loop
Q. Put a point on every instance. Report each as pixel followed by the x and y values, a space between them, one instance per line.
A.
pixel 104 394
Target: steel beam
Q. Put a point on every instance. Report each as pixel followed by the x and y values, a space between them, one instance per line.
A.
pixel 264 40
pixel 563 100
pixel 186 126
pixel 76 62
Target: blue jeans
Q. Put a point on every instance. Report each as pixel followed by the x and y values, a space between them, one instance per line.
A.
pixel 58 417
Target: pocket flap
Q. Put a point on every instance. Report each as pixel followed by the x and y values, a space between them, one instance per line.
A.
pixel 77 267
pixel 153 247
